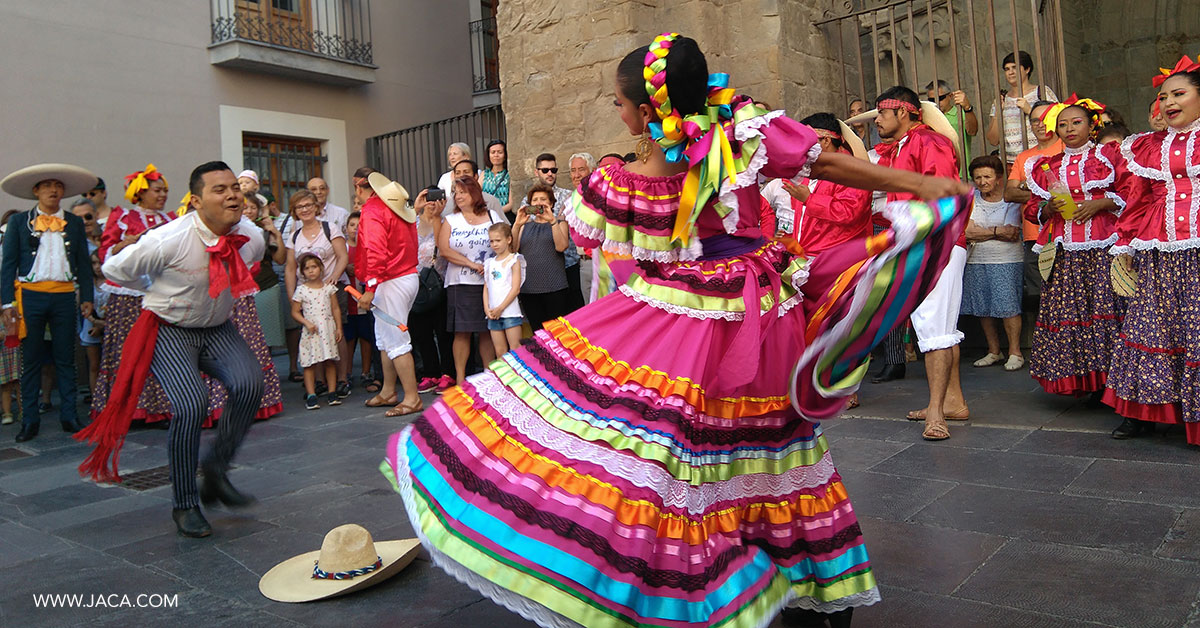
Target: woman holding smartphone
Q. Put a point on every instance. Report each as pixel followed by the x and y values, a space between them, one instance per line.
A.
pixel 541 238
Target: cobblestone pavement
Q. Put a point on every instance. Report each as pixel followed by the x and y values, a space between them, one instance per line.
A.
pixel 1030 515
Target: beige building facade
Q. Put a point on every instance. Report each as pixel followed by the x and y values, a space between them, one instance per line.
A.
pixel 113 85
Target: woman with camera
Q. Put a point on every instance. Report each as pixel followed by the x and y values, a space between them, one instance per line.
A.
pixel 541 238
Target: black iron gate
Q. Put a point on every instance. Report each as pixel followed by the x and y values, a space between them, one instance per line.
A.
pixel 416 157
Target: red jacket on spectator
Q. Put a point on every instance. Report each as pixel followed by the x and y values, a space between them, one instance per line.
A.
pixel 387 245
pixel 833 214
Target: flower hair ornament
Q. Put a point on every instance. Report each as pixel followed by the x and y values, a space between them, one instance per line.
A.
pixel 1185 64
pixel 1093 108
pixel 704 140
pixel 140 181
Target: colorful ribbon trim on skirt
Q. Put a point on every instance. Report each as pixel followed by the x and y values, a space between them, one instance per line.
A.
pixel 872 291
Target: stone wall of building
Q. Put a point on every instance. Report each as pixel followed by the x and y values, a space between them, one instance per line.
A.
pixel 558 63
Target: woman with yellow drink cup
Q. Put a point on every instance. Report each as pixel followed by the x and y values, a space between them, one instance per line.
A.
pixel 1075 200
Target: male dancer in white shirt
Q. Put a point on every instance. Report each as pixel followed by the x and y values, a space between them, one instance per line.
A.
pixel 196 267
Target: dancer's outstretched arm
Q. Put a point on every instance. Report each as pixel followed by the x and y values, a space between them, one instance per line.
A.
pixel 854 172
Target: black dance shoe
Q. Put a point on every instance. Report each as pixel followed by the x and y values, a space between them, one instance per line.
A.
pixel 191 522
pixel 889 373
pixel 27 432
pixel 1133 428
pixel 215 486
pixel 71 427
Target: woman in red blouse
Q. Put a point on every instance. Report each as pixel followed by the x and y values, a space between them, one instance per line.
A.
pixel 1080 315
pixel 1155 375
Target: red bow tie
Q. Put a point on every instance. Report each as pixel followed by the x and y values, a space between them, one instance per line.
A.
pixel 226 268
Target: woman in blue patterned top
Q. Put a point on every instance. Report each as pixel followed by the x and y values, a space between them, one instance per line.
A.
pixel 494 177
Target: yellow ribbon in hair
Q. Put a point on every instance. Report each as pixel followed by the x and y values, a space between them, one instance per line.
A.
pixel 184 205
pixel 139 182
pixel 1050 117
pixel 46 222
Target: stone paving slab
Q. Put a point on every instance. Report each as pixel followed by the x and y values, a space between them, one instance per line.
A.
pixel 1087 584
pixel 1028 516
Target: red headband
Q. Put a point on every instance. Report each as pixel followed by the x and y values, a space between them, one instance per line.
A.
pixel 1185 64
pixel 829 134
pixel 893 103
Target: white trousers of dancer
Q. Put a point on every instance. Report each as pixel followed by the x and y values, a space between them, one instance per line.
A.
pixel 936 319
pixel 395 296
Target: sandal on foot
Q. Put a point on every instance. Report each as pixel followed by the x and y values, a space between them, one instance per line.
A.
pixel 936 432
pixel 295 377
pixel 1014 363
pixel 372 385
pixel 378 401
pixel 988 360
pixel 958 415
pixel 403 409
pixel 853 403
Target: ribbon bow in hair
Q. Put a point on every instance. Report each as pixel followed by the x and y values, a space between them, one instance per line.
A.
pixel 1185 64
pixel 140 181
pixel 704 140
pixel 1050 117
pixel 226 268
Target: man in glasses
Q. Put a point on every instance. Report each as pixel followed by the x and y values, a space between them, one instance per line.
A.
pixel 959 112
pixel 85 209
pixel 546 171
pixel 99 197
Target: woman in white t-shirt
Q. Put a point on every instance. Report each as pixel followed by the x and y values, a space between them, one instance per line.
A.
pixel 502 279
pixel 993 279
pixel 1018 100
pixel 463 241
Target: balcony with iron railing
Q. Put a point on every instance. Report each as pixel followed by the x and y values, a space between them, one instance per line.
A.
pixel 328 41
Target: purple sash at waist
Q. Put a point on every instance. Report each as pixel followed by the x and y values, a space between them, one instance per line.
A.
pixel 723 245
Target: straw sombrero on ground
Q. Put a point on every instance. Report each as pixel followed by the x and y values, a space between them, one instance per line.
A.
pixel 75 180
pixel 930 115
pixel 393 195
pixel 349 560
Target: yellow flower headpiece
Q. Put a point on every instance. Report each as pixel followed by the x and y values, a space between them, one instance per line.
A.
pixel 184 205
pixel 140 181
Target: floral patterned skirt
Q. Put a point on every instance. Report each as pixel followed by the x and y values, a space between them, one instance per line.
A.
pixel 153 406
pixel 1077 325
pixel 1155 372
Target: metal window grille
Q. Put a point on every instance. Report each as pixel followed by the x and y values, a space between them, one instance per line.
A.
pixel 284 165
pixel 485 55
pixel 416 157
pixel 881 43
pixel 337 29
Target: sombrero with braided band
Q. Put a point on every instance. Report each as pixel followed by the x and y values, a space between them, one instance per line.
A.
pixel 349 560
pixel 1094 109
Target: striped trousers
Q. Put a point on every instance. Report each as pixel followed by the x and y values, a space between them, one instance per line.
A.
pixel 180 356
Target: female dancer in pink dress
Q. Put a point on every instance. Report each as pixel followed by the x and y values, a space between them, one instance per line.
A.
pixel 640 462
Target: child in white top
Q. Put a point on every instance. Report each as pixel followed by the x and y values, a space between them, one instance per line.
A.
pixel 502 278
pixel 315 307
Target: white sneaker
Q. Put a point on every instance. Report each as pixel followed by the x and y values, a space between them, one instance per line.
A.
pixel 988 360
pixel 1014 363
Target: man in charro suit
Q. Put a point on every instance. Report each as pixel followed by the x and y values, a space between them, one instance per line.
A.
pixel 45 261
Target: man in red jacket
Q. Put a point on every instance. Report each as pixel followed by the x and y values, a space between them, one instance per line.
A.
pixel 920 148
pixel 387 267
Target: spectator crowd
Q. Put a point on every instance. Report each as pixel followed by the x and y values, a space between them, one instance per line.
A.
pixel 400 295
